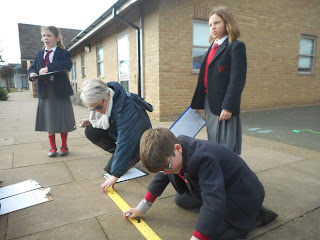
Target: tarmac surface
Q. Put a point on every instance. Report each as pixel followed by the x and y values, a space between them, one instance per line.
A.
pixel 286 162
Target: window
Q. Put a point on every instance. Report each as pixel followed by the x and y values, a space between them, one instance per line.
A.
pixel 306 55
pixel 74 77
pixel 123 59
pixel 201 33
pixel 100 61
pixel 83 66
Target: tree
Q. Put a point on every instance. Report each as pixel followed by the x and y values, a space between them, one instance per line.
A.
pixel 7 72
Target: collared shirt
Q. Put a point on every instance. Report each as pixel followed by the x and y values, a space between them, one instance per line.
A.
pixel 220 41
pixel 51 54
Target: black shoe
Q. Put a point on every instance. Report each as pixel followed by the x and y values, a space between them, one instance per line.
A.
pixel 65 153
pixel 266 216
pixel 52 154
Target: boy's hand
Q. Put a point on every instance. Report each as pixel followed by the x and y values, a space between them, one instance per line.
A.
pixel 109 183
pixel 131 213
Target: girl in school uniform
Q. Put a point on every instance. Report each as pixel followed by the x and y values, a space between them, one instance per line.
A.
pixel 221 81
pixel 55 112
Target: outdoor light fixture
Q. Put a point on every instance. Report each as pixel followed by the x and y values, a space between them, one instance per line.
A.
pixel 87 48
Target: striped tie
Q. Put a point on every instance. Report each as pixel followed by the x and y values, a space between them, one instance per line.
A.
pixel 46 59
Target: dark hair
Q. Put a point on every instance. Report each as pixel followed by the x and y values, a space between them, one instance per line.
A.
pixel 55 32
pixel 156 145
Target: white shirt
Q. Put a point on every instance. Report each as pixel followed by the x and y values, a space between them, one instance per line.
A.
pixel 51 54
pixel 219 42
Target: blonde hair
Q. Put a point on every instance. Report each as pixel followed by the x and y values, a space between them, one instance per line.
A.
pixel 54 31
pixel 231 25
pixel 156 145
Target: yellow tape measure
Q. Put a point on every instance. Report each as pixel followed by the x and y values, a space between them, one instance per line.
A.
pixel 145 230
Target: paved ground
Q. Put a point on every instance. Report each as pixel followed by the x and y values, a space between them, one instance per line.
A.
pixel 289 172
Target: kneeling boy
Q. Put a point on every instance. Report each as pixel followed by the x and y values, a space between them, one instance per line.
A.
pixel 205 175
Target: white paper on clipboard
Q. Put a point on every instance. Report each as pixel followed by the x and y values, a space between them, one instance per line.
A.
pixel 189 123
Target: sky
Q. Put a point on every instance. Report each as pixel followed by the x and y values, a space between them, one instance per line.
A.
pixel 74 14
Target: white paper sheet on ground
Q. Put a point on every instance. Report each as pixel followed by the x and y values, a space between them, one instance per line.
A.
pixel 189 123
pixel 130 174
pixel 24 200
pixel 18 188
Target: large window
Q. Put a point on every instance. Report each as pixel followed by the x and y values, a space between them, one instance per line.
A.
pixel 306 55
pixel 83 66
pixel 100 61
pixel 123 59
pixel 201 33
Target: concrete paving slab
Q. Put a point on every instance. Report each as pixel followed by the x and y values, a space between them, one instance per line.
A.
pixel 41 156
pixel 88 229
pixel 304 227
pixel 6 141
pixel 166 219
pixel 289 192
pixel 46 175
pixel 3 226
pixel 87 168
pixel 259 158
pixel 6 160
pixel 71 203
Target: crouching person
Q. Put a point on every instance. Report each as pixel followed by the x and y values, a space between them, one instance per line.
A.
pixel 208 176
pixel 116 122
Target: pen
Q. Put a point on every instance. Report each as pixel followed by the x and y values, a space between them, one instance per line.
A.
pixel 138 218
pixel 75 126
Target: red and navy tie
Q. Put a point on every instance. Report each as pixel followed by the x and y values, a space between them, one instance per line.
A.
pixel 46 58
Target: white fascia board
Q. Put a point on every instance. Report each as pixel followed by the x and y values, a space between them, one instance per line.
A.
pixel 101 24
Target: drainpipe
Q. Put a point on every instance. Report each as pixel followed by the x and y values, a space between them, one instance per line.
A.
pixel 142 47
pixel 138 45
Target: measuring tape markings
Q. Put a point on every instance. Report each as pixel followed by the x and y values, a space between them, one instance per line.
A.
pixel 145 230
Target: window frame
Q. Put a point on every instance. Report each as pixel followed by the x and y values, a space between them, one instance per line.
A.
pixel 83 66
pixel 196 71
pixel 100 62
pixel 314 38
pixel 123 78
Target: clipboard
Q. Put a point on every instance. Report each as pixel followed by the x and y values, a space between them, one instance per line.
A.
pixel 46 76
pixel 189 123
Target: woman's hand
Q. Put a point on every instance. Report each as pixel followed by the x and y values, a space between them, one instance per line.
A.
pixel 109 183
pixel 131 213
pixel 43 70
pixel 225 115
pixel 84 123
pixel 33 74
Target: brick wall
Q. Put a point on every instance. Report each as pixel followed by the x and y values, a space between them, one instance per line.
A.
pixel 271 31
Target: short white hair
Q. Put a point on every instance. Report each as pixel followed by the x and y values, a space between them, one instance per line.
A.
pixel 93 90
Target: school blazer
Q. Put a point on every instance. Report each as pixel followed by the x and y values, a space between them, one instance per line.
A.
pixel 225 81
pixel 61 61
pixel 229 190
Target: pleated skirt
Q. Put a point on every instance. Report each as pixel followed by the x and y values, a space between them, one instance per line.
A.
pixel 227 132
pixel 54 115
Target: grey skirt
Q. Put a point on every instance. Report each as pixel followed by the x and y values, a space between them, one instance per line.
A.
pixel 227 132
pixel 54 115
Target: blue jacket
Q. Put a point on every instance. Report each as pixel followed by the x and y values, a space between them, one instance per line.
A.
pixel 128 121
pixel 228 188
pixel 225 81
pixel 61 61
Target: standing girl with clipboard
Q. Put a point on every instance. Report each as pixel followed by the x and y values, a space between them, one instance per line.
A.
pixel 221 81
pixel 55 112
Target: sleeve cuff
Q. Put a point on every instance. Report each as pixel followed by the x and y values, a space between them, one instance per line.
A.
pixel 200 236
pixel 150 197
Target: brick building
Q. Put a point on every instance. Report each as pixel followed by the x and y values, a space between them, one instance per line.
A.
pixel 280 36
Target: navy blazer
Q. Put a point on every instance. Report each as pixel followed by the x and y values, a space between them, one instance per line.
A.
pixel 218 177
pixel 225 80
pixel 61 61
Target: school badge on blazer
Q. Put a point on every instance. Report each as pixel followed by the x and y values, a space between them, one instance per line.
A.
pixel 221 68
